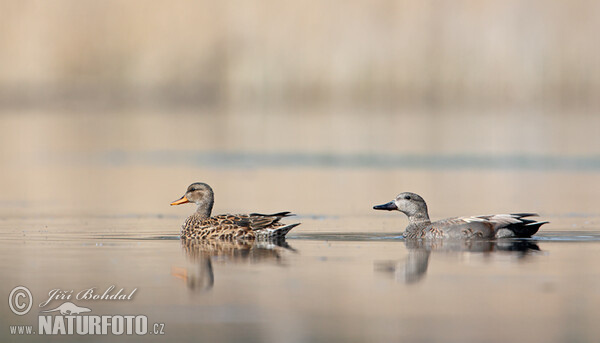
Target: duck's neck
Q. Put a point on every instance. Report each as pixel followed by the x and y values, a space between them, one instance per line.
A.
pixel 416 224
pixel 419 218
pixel 204 209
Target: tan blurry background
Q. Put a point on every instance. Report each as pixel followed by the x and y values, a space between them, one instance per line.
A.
pixel 535 53
pixel 83 80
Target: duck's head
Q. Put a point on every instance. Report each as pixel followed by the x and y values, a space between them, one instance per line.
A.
pixel 408 203
pixel 198 193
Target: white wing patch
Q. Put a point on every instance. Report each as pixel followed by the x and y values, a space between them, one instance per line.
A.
pixel 474 219
pixel 496 218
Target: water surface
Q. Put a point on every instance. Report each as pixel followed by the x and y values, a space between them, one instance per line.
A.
pixel 334 286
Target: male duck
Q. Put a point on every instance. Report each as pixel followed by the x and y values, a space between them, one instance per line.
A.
pixel 490 226
pixel 201 225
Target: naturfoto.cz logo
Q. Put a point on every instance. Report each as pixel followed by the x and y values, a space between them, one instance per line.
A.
pixel 69 318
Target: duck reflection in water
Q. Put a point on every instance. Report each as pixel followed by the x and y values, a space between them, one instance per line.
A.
pixel 414 267
pixel 202 254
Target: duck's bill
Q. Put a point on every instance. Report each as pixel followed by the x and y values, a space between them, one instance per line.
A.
pixel 390 206
pixel 180 201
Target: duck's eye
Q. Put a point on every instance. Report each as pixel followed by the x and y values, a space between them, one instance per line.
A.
pixel 407 197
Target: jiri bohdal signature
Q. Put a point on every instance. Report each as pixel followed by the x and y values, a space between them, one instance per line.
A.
pixel 88 294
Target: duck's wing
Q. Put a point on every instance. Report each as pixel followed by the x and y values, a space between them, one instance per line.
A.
pixel 259 221
pixel 509 225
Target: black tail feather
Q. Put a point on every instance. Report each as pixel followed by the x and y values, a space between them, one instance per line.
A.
pixel 526 229
pixel 278 214
pixel 282 231
pixel 524 215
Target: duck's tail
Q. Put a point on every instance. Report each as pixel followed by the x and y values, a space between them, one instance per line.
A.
pixel 275 233
pixel 520 227
pixel 282 231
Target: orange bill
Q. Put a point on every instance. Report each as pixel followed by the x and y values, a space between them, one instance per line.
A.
pixel 181 200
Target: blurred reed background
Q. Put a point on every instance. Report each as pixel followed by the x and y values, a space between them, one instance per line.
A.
pixel 313 106
pixel 309 53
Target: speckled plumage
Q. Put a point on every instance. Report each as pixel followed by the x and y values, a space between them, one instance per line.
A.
pixel 236 226
pixel 254 226
pixel 488 226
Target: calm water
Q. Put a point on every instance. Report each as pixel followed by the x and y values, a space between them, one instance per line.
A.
pixel 85 205
pixel 322 287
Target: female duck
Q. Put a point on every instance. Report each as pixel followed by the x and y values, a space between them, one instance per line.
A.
pixel 201 225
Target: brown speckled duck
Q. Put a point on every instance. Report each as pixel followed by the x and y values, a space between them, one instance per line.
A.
pixel 489 226
pixel 201 225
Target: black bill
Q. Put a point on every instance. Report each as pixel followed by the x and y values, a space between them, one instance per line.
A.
pixel 390 206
